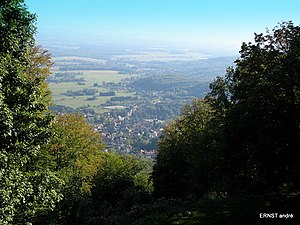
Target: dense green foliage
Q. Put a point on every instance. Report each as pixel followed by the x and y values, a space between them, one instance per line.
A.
pixel 17 28
pixel 184 148
pixel 25 190
pixel 52 171
pixel 74 154
pixel 98 186
pixel 263 122
pixel 245 135
pixel 121 184
pixel 73 150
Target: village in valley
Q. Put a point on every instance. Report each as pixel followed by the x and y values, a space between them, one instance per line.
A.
pixel 129 96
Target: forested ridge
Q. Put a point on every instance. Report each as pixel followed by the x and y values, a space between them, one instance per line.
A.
pixel 227 158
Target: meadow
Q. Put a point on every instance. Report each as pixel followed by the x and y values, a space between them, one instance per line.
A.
pixel 91 77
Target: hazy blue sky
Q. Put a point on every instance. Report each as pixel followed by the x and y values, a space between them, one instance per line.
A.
pixel 194 23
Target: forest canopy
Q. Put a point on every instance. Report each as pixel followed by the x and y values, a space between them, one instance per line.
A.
pixel 245 134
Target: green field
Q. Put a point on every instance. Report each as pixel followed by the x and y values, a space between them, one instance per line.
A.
pixel 91 77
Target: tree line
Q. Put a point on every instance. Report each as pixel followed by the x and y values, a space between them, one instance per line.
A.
pixel 244 136
pixel 52 167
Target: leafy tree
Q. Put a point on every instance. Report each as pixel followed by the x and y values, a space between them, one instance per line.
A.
pixel 248 130
pixel 186 147
pixel 74 153
pixel 74 150
pixel 17 29
pixel 24 121
pixel 263 121
pixel 38 69
pixel 121 183
pixel 97 184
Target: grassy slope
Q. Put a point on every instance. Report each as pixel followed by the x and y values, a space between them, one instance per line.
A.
pixel 244 211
